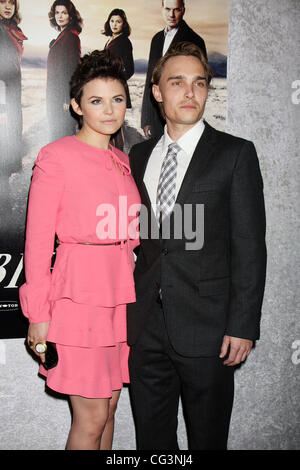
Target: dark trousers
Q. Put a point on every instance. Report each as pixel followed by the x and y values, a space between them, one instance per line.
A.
pixel 159 376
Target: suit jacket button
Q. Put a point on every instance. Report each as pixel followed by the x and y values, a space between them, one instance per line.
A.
pixel 164 251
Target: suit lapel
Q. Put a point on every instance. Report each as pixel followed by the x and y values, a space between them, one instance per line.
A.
pixel 200 158
pixel 181 34
pixel 160 44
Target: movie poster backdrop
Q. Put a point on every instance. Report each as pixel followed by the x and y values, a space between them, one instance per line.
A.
pixel 36 60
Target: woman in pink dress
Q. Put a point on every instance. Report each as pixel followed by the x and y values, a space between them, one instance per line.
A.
pixel 83 193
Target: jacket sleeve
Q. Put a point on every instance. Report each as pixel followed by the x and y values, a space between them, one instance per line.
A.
pixel 247 245
pixel 43 206
pixel 147 106
pixel 70 59
pixel 127 58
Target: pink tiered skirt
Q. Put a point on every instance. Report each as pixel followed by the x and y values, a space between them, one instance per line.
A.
pixel 92 349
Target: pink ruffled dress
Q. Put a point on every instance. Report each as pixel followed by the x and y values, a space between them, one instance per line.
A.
pixel 87 198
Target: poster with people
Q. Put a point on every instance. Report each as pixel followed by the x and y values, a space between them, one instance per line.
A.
pixel 41 44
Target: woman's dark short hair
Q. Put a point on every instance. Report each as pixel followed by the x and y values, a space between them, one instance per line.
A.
pixel 126 28
pixel 96 64
pixel 75 18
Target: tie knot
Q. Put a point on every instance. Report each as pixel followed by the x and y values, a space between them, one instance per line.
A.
pixel 174 148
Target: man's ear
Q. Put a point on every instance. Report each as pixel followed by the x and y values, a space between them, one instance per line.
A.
pixel 75 106
pixel 156 93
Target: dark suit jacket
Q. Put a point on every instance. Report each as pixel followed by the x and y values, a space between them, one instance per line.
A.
pixel 150 111
pixel 217 289
pixel 63 58
pixel 121 46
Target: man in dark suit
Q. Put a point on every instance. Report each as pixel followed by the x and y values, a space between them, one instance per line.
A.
pixel 176 30
pixel 200 270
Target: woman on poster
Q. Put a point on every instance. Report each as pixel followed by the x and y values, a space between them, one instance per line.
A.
pixel 64 56
pixel 11 49
pixel 118 30
pixel 81 306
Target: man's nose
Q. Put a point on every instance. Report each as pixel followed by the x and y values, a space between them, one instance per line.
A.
pixel 189 90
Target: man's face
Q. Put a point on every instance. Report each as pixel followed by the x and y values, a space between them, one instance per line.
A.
pixel 172 12
pixel 182 90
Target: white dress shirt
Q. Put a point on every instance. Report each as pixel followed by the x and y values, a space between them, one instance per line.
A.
pixel 169 36
pixel 187 143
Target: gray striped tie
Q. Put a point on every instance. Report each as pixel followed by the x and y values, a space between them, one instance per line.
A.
pixel 165 197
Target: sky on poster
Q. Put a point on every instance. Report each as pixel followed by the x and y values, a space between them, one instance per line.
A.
pixel 209 18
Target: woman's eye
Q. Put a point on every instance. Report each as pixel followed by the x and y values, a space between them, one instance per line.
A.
pixel 119 100
pixel 96 101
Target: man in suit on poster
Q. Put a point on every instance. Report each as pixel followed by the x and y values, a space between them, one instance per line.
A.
pixel 176 30
pixel 198 303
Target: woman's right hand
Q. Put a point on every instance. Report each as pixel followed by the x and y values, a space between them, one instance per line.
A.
pixel 37 333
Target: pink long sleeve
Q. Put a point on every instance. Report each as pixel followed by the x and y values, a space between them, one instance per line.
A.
pixel 45 194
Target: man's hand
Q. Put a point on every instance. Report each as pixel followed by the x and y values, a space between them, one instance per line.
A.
pixel 239 350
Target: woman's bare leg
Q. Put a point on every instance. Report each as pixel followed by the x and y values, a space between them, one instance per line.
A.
pixel 90 416
pixel 107 436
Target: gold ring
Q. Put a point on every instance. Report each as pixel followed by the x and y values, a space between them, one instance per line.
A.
pixel 31 343
pixel 41 348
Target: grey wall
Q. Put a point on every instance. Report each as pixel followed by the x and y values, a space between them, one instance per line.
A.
pixel 263 65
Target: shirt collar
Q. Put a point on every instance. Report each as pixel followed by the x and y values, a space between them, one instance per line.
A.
pixel 188 141
pixel 170 32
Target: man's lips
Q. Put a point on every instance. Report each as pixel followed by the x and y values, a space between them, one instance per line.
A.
pixel 188 106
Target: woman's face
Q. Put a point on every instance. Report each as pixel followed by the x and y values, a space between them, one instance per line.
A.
pixel 7 9
pixel 62 16
pixel 102 107
pixel 116 24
